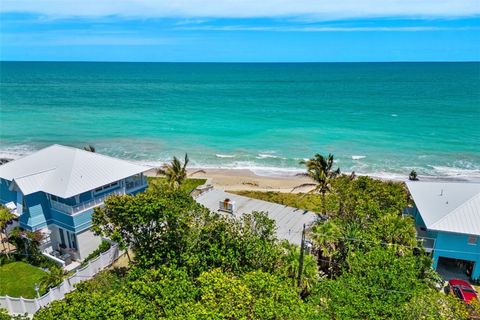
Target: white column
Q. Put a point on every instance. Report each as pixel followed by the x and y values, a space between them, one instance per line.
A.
pixel 19 203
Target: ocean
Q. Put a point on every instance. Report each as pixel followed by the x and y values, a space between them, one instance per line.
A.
pixel 381 119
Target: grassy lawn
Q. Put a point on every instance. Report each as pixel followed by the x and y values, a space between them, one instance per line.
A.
pixel 188 186
pixel 18 279
pixel 311 202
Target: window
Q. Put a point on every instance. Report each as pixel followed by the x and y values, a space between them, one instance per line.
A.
pixel 74 241
pixel 472 240
pixel 457 292
pixel 106 187
pixel 69 240
pixel 62 237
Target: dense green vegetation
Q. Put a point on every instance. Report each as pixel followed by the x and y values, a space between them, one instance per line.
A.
pixel 5 217
pixel 190 263
pixel 18 279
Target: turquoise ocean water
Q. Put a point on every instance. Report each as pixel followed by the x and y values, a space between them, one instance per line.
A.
pixel 382 119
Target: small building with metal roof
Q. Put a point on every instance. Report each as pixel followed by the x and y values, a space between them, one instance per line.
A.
pixel 55 190
pixel 289 221
pixel 447 216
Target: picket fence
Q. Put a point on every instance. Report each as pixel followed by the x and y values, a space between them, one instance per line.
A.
pixel 21 305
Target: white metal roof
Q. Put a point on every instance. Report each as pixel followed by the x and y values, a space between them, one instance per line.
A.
pixel 448 206
pixel 66 171
pixel 289 220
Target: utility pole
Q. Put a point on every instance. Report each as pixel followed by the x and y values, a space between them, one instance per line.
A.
pixel 300 264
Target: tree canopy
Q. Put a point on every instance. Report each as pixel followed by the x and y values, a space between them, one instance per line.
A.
pixel 190 263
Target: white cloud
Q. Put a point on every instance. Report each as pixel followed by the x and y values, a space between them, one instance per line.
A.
pixel 324 29
pixel 316 9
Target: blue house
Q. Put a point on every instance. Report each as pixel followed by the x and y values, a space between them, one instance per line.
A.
pixel 447 216
pixel 55 191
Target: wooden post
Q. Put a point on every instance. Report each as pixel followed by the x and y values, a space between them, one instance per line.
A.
pixel 300 265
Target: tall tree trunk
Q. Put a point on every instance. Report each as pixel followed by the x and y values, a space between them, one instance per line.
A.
pixel 5 240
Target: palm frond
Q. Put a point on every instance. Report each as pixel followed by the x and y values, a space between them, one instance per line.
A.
pixel 304 185
pixel 302 174
pixel 198 171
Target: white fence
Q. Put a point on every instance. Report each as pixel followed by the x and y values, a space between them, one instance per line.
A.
pixel 30 306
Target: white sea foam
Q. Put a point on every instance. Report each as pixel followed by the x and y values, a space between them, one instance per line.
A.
pixel 218 155
pixel 394 115
pixel 16 151
pixel 384 175
pixel 266 156
pixel 358 157
pixel 457 172
pixel 460 170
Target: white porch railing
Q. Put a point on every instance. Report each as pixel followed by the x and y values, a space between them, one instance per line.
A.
pixel 427 243
pixel 135 184
pixel 16 306
pixel 84 205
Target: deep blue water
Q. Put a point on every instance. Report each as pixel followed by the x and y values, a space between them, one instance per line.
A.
pixel 394 116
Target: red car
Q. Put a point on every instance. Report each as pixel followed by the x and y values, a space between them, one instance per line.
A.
pixel 462 290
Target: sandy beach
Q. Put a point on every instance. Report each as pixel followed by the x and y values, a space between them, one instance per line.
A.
pixel 243 179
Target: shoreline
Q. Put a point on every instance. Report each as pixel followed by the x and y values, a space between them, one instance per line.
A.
pixel 245 179
pixel 270 178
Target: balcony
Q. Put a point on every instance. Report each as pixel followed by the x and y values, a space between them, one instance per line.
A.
pixel 424 240
pixel 134 184
pixel 95 202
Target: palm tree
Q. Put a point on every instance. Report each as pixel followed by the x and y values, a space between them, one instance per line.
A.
pixel 319 169
pixel 5 217
pixel 89 148
pixel 290 266
pixel 326 237
pixel 175 172
pixel 53 278
pixel 399 230
pixel 413 176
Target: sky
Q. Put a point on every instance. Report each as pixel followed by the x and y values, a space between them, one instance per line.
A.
pixel 240 31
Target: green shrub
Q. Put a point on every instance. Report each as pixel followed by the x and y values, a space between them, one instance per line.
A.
pixel 103 247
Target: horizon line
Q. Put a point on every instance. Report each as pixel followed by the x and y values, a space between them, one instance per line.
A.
pixel 245 62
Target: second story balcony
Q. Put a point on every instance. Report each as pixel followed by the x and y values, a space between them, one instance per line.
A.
pixel 132 185
pixel 127 186
pixel 425 239
pixel 95 202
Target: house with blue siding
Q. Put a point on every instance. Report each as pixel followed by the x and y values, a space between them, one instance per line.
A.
pixel 447 217
pixel 55 190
